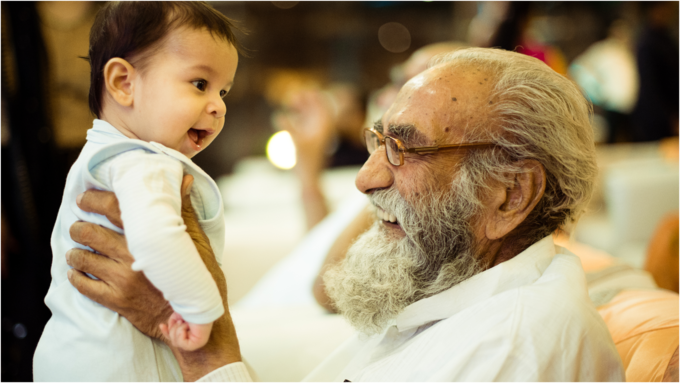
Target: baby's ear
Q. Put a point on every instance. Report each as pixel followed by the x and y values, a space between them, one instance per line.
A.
pixel 119 76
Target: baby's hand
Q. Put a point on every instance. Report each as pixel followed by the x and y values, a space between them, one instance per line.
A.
pixel 184 335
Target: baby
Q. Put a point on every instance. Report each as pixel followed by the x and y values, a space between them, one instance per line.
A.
pixel 160 71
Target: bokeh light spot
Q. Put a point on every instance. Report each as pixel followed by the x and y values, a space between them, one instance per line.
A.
pixel 394 37
pixel 281 150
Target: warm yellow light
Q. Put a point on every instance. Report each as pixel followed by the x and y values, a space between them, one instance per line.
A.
pixel 281 150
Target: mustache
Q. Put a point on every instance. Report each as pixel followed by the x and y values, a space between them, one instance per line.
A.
pixel 381 276
pixel 437 224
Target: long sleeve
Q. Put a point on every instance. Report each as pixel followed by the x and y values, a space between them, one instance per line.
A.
pixel 233 372
pixel 147 186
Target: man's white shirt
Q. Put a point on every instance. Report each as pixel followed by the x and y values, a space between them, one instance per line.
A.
pixel 526 319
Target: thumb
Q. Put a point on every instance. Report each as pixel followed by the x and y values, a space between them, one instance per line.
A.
pixel 187 181
pixel 188 213
pixel 191 220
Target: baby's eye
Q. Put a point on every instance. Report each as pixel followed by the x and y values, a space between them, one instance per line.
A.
pixel 223 93
pixel 200 84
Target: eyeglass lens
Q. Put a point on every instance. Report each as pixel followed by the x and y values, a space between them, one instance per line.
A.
pixel 391 147
pixel 372 141
pixel 392 151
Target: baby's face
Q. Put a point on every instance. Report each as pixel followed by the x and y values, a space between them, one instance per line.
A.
pixel 178 100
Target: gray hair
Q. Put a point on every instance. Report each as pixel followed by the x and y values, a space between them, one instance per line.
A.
pixel 541 115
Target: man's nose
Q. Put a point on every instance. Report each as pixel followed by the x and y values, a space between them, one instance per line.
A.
pixel 376 173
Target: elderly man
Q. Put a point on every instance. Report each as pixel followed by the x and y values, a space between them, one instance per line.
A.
pixel 478 161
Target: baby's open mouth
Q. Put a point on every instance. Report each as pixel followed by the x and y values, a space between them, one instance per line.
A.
pixel 196 135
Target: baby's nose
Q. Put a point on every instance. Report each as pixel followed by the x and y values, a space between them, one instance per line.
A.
pixel 217 108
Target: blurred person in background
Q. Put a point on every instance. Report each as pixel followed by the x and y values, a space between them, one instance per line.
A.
pixel 44 119
pixel 510 25
pixel 608 74
pixel 655 115
pixel 325 124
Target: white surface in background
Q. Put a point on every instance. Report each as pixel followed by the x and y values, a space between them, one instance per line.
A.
pixel 289 282
pixel 284 344
pixel 637 187
pixel 638 194
pixel 265 219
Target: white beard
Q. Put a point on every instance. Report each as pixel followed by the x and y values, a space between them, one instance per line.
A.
pixel 381 276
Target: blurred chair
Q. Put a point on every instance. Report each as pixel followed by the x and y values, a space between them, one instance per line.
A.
pixel 662 254
pixel 644 326
pixel 642 318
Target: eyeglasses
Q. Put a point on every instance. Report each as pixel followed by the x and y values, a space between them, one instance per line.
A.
pixel 395 149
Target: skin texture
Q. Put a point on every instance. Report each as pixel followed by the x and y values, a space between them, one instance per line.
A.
pixel 130 294
pixel 185 335
pixel 179 88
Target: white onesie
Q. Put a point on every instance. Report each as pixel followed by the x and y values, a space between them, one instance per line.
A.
pixel 84 341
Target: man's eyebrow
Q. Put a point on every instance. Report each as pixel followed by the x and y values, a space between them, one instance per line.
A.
pixel 408 134
pixel 378 126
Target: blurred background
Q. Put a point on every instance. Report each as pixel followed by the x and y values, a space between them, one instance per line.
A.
pixel 317 73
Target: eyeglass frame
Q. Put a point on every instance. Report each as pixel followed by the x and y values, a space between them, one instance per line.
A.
pixel 421 150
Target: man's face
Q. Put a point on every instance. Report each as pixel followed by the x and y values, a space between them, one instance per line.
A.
pixel 436 107
pixel 431 245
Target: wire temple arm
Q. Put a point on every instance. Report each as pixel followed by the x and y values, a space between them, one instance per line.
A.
pixel 433 149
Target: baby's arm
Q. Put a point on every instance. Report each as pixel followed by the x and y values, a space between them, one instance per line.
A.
pixel 185 335
pixel 148 191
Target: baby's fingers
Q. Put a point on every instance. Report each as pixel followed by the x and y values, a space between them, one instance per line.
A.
pixel 164 330
pixel 173 321
pixel 180 333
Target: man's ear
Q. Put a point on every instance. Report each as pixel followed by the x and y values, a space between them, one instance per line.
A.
pixel 511 205
pixel 119 80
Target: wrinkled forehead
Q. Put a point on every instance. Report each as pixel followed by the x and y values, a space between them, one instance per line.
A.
pixel 444 103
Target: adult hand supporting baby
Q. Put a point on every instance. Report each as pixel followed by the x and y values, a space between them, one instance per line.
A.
pixel 130 294
pixel 119 287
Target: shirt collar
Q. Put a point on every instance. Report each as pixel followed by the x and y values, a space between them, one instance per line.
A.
pixel 522 270
pixel 103 132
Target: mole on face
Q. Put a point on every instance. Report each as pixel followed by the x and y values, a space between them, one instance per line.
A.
pixel 454 99
pixel 446 129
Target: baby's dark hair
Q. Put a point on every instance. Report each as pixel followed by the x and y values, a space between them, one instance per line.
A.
pixel 136 28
